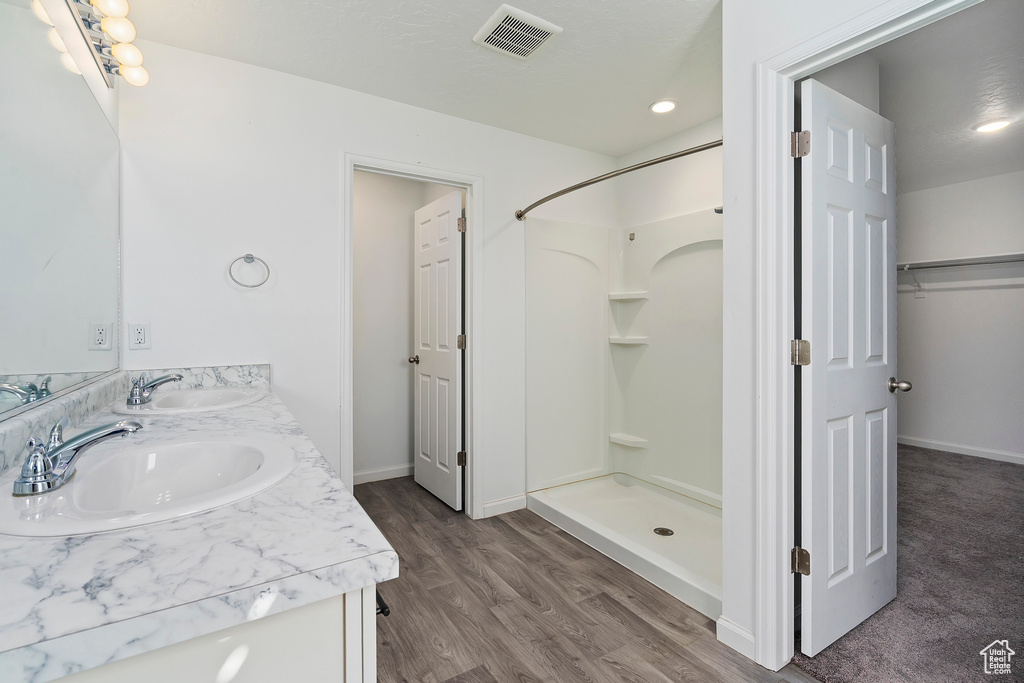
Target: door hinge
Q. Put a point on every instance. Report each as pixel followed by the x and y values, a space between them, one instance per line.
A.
pixel 800 352
pixel 460 342
pixel 800 144
pixel 800 561
pixel 462 224
pixel 460 459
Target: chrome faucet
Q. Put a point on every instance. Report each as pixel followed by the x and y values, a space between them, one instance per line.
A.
pixel 50 465
pixel 26 393
pixel 141 389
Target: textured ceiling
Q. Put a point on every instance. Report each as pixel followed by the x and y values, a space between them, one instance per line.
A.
pixel 589 88
pixel 939 81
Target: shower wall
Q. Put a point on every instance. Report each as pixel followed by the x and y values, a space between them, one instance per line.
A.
pixel 566 352
pixel 666 393
pixel 624 353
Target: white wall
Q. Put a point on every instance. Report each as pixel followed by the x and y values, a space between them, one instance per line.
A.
pixel 976 218
pixel 222 158
pixel 856 78
pixel 960 345
pixel 383 208
pixel 676 187
pixel 753 31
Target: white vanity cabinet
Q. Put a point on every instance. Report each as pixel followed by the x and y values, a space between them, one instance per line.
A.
pixel 330 641
pixel 278 586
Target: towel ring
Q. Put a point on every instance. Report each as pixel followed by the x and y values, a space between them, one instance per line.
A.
pixel 248 258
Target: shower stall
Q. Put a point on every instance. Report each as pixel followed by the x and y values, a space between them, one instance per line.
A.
pixel 624 394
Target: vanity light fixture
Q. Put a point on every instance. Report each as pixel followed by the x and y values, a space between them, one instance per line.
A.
pixel 69 63
pixel 41 15
pixel 111 8
pixel 56 41
pixel 111 33
pixel 120 29
pixel 663 106
pixel 992 126
pixel 127 54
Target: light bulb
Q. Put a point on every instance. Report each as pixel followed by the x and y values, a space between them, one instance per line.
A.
pixel 135 75
pixel 111 8
pixel 69 63
pixel 41 15
pixel 56 41
pixel 663 106
pixel 120 29
pixel 127 54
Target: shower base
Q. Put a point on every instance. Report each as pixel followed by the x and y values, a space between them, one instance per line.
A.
pixel 617 515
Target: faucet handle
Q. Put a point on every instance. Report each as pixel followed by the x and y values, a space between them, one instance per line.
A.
pixel 36 465
pixel 44 387
pixel 57 433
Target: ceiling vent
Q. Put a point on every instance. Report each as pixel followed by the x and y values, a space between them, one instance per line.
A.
pixel 515 32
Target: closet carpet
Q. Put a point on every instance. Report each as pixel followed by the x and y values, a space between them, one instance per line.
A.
pixel 514 599
pixel 960 577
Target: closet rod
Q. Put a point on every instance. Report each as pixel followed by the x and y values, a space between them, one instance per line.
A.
pixel 521 213
pixel 951 263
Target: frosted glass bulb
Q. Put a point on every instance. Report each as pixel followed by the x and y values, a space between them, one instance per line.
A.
pixel 41 15
pixel 127 54
pixel 111 8
pixel 135 75
pixel 56 41
pixel 120 29
pixel 69 63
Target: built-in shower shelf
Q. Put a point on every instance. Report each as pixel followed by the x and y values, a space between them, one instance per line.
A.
pixel 628 296
pixel 628 341
pixel 627 440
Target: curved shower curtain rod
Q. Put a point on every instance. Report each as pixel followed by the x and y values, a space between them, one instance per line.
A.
pixel 521 213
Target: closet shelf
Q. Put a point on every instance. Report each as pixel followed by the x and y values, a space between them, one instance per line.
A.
pixel 628 440
pixel 995 259
pixel 628 296
pixel 628 341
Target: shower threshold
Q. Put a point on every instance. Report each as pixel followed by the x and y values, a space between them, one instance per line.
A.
pixel 617 514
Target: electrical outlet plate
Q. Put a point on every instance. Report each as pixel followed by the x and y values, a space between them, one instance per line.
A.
pixel 99 336
pixel 138 336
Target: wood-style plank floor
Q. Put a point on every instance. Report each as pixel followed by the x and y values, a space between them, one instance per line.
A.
pixel 516 599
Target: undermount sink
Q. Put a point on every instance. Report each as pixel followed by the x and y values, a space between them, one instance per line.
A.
pixel 118 486
pixel 176 401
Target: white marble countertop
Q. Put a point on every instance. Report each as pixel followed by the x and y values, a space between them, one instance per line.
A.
pixel 74 603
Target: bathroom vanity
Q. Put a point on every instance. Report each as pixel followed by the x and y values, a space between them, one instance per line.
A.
pixel 274 586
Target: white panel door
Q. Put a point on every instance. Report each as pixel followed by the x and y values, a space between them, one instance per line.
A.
pixel 848 439
pixel 437 397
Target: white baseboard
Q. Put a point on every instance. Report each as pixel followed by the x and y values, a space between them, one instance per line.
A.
pixel 990 454
pixel 382 473
pixel 736 637
pixel 500 507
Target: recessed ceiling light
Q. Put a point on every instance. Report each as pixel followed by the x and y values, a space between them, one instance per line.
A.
pixel 663 106
pixel 991 126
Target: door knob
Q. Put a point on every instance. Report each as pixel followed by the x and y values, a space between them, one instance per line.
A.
pixel 901 384
pixel 416 360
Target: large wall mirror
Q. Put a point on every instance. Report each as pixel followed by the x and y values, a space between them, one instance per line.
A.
pixel 59 221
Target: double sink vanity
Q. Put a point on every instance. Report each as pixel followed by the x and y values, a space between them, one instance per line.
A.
pixel 211 516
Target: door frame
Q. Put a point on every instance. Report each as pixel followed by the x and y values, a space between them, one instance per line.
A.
pixel 473 322
pixel 774 210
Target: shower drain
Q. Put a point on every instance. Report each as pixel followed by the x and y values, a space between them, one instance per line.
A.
pixel 663 531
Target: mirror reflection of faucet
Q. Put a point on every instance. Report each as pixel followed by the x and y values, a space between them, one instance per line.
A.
pixel 141 392
pixel 26 393
pixel 51 465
